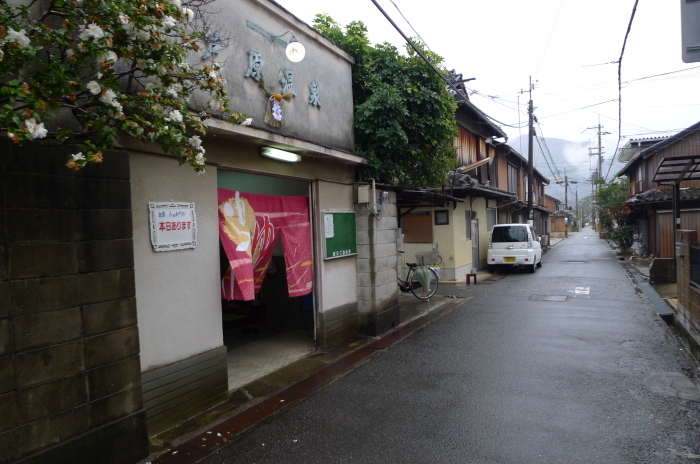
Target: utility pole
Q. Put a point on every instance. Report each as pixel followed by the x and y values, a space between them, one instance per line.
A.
pixel 599 130
pixel 530 162
pixel 578 216
pixel 566 201
pixel 566 205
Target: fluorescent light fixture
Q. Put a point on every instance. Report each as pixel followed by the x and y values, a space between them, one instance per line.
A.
pixel 280 155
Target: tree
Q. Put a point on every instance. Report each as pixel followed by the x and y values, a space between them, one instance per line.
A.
pixel 88 68
pixel 404 117
pixel 615 216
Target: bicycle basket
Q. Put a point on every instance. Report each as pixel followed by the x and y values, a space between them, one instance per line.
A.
pixel 427 257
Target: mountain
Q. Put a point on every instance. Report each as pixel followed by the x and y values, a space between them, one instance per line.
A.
pixel 555 158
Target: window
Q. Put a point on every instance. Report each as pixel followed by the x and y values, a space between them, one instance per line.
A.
pixel 512 179
pixel 509 234
pixel 468 217
pixel 526 187
pixel 417 228
pixel 490 218
pixel 442 217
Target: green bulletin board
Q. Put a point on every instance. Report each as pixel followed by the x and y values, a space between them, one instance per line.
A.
pixel 341 234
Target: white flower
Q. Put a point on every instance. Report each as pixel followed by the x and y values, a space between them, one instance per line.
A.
pixel 94 87
pixel 70 52
pixel 169 22
pixel 98 75
pixel 162 70
pixel 92 31
pixel 199 156
pixel 109 97
pixel 144 64
pixel 124 19
pixel 175 116
pixel 189 14
pixel 247 122
pixel 174 90
pixel 36 131
pixel 195 141
pixel 78 156
pixel 1 54
pixel 108 55
pixel 10 134
pixel 19 37
pixel 143 36
pixel 175 2
pixel 216 105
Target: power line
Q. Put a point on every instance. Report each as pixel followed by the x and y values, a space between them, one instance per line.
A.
pixel 432 66
pixel 619 84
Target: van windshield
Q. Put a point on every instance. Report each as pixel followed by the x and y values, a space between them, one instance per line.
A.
pixel 509 234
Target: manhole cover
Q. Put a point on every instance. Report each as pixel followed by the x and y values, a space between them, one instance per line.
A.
pixel 547 298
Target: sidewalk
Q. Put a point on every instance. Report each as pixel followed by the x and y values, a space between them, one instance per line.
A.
pixel 202 435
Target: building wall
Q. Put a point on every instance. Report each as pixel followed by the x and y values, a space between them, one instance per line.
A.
pixel 451 241
pixel 70 377
pixel 324 63
pixel 688 313
pixel 178 291
pixel 337 310
pixel 377 291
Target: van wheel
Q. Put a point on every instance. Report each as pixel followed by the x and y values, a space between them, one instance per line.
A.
pixel 540 263
pixel 491 269
pixel 532 268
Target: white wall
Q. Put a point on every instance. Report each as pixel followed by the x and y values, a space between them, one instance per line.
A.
pixel 177 292
pixel 339 276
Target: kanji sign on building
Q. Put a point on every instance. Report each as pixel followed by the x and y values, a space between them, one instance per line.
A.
pixel 173 226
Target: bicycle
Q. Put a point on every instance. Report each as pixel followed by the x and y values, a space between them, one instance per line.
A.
pixel 642 249
pixel 412 283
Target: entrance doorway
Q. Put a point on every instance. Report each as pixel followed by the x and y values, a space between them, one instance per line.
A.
pixel 273 329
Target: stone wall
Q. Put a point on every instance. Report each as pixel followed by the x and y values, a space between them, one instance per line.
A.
pixel 70 377
pixel 688 313
pixel 377 291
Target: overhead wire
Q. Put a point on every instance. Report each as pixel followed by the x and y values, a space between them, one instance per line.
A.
pixel 619 85
pixel 429 63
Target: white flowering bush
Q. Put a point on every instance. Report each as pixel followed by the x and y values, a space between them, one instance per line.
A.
pixel 114 65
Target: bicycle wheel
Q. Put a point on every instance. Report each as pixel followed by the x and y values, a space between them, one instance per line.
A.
pixel 421 292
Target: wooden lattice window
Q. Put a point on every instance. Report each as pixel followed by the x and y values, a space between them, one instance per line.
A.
pixel 417 228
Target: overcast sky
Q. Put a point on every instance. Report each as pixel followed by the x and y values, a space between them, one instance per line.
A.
pixel 566 46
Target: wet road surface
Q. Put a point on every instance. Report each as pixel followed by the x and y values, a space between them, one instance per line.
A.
pixel 567 365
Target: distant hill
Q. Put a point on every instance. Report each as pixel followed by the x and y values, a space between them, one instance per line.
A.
pixel 569 157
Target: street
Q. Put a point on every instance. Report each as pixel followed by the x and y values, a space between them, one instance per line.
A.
pixel 567 365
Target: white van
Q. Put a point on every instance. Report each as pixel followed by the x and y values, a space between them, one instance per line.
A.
pixel 514 245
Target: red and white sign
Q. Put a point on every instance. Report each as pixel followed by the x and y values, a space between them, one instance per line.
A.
pixel 173 226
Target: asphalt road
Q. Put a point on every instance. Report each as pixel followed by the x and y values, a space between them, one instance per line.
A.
pixel 567 365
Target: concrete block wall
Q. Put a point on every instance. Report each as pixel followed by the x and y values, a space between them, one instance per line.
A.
pixel 377 262
pixel 70 377
pixel 688 314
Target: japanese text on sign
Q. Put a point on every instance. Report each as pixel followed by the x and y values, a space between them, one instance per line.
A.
pixel 173 226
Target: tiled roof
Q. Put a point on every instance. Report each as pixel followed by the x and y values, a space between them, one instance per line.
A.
pixel 660 196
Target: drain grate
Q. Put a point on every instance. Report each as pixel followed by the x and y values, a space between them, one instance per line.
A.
pixel 548 298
